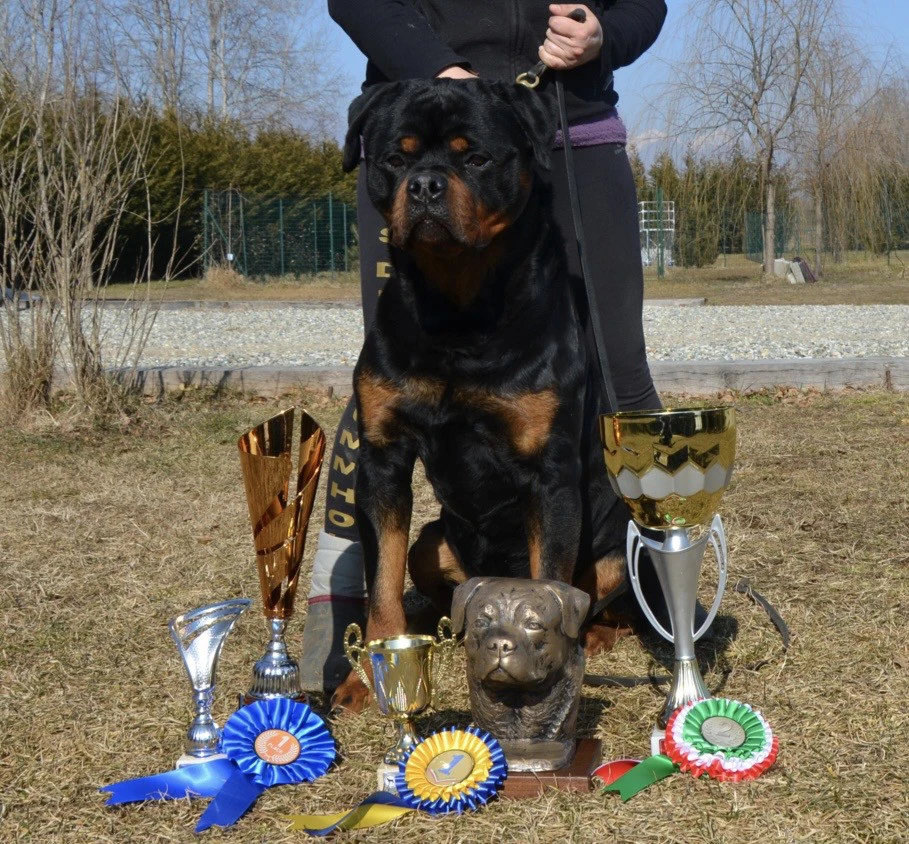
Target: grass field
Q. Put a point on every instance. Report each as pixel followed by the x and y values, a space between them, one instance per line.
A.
pixel 104 535
pixel 859 280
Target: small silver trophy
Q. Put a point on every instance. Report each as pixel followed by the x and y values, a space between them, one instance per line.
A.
pixel 199 635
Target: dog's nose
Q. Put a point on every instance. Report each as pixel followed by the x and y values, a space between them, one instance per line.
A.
pixel 501 645
pixel 426 187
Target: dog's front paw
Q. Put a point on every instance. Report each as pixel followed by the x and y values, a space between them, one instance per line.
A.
pixel 351 696
pixel 601 638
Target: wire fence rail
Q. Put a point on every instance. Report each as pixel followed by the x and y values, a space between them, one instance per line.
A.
pixel 262 237
pixel 278 236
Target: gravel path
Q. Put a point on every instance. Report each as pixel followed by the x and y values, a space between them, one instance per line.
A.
pixel 331 336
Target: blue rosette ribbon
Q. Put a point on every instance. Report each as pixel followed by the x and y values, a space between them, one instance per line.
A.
pixel 270 742
pixel 451 771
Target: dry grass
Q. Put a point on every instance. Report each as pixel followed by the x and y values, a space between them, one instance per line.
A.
pixel 105 535
pixel 325 287
pixel 857 281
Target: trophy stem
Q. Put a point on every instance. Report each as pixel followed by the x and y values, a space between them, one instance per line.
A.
pixel 203 734
pixel 677 562
pixel 276 674
pixel 407 740
pixel 687 686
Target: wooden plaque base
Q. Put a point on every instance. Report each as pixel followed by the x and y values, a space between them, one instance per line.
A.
pixel 573 777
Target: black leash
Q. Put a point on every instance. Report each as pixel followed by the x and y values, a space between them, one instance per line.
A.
pixel 531 79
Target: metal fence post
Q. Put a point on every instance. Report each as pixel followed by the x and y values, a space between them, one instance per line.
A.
pixel 281 231
pixel 315 241
pixel 346 250
pixel 206 258
pixel 243 235
pixel 331 233
pixel 661 264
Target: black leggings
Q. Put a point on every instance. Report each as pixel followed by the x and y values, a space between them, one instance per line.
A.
pixel 609 211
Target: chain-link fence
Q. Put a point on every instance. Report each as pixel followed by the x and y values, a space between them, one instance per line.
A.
pixel 787 235
pixel 280 236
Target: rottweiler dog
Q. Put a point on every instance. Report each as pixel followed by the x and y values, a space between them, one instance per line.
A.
pixel 477 361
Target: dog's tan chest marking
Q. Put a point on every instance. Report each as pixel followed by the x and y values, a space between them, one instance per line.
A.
pixel 377 397
pixel 380 398
pixel 527 417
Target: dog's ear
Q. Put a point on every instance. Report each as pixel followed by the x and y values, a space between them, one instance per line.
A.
pixel 461 599
pixel 356 117
pixel 575 604
pixel 536 113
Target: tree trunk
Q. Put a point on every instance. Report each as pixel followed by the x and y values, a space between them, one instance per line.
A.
pixel 818 228
pixel 769 220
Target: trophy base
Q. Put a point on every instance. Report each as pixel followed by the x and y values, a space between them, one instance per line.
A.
pixel 575 776
pixel 385 777
pixel 657 737
pixel 247 699
pixel 529 755
pixel 187 759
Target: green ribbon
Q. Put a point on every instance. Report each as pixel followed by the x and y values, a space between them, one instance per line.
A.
pixel 641 776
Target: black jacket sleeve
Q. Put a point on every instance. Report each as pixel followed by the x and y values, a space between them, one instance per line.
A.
pixel 629 29
pixel 395 37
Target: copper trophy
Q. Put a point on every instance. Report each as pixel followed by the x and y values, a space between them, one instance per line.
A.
pixel 279 525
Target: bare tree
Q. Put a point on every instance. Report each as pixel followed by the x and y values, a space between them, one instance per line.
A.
pixel 840 87
pixel 76 156
pixel 746 80
pixel 266 62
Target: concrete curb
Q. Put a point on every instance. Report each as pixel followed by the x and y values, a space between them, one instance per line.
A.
pixel 261 304
pixel 694 377
pixel 225 305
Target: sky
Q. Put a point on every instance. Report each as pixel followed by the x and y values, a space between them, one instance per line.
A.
pixel 881 24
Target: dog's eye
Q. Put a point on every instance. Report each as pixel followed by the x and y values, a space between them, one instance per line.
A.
pixel 533 625
pixel 476 160
pixel 396 162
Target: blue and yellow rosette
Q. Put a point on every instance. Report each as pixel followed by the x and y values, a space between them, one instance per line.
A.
pixel 270 742
pixel 718 737
pixel 453 770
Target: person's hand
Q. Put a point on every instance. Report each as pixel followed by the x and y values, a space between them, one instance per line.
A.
pixel 455 72
pixel 568 43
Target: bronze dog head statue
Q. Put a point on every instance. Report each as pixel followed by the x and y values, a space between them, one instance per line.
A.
pixel 524 662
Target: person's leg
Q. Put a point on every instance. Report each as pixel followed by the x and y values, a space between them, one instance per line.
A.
pixel 337 595
pixel 609 212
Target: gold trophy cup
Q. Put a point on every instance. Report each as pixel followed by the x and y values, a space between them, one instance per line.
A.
pixel 402 668
pixel 279 525
pixel 672 467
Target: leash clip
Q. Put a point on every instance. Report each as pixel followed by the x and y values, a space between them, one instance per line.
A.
pixel 529 78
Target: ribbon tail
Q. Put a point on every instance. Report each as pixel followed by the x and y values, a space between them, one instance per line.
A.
pixel 231 802
pixel 203 779
pixel 641 776
pixel 378 808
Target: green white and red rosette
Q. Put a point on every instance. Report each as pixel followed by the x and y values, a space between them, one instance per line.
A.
pixel 722 738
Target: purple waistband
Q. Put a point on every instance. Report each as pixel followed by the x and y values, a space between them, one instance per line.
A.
pixel 606 128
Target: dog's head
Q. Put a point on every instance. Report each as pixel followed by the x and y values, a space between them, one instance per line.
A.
pixel 449 162
pixel 518 632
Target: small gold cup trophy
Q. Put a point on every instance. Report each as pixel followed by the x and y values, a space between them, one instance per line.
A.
pixel 279 526
pixel 402 684
pixel 672 467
